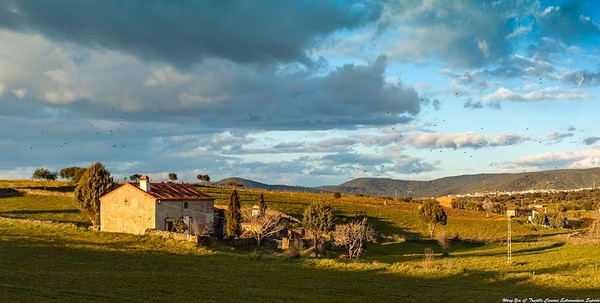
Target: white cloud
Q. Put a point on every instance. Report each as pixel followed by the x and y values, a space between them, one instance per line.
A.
pixel 519 31
pixel 461 140
pixel 583 158
pixel 20 92
pixel 549 93
pixel 167 76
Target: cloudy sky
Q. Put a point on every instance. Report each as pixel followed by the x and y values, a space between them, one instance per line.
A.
pixel 299 92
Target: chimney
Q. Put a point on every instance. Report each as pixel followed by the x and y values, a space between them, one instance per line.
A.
pixel 145 183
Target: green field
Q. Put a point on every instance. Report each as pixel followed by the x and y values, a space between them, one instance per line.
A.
pixel 56 263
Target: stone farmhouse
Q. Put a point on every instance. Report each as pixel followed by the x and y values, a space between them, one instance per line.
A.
pixel 134 208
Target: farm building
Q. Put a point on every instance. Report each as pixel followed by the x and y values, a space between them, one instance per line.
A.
pixel 133 208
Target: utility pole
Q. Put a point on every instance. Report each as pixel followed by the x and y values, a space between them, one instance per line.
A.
pixel 509 239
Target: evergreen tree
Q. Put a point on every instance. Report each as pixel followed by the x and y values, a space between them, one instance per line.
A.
pixel 318 221
pixel 234 216
pixel 95 182
pixel 261 203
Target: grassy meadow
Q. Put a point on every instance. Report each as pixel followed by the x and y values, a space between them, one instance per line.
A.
pixel 42 262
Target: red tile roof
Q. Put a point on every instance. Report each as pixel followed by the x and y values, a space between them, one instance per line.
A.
pixel 175 191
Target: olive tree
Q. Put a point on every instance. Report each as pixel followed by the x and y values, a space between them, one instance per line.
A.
pixel 45 175
pixel 72 173
pixel 172 177
pixel 317 220
pixel 95 182
pixel 135 177
pixel 204 178
pixel 432 214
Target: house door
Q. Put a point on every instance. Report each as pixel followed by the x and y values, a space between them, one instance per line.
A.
pixel 170 225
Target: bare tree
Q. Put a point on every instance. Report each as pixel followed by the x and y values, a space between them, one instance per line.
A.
pixel 354 236
pixel 263 226
pixel 488 206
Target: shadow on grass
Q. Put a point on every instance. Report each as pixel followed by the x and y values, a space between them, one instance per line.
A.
pixel 391 252
pixel 516 251
pixel 53 215
pixel 40 211
pixel 61 189
pixel 9 192
pixel 46 272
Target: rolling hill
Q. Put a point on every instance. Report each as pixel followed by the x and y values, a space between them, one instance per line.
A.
pixel 553 179
pixel 245 183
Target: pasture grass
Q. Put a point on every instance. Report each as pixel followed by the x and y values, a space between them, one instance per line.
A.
pixel 42 207
pixel 56 263
pixel 391 217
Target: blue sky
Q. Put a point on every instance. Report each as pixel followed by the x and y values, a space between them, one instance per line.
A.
pixel 299 92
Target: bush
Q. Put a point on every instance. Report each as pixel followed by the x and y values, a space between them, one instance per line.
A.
pixel 337 194
pixel 444 242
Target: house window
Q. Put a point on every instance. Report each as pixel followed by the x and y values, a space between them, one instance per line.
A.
pixel 170 224
pixel 185 205
pixel 126 202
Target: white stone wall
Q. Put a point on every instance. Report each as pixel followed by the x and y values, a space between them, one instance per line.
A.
pixel 127 210
pixel 200 212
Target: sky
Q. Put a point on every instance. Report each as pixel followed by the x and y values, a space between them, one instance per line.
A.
pixel 299 92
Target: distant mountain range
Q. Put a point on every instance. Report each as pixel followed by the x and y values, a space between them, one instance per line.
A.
pixel 551 179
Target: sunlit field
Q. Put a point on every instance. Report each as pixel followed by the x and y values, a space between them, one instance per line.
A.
pixel 60 262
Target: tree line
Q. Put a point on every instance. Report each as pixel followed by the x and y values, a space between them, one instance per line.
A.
pixel 587 199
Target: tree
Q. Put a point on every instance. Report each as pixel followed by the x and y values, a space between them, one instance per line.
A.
pixel 135 177
pixel 234 184
pixel 234 216
pixel 318 221
pixel 268 224
pixel 95 182
pixel 354 236
pixel 432 214
pixel 45 175
pixel 262 204
pixel 172 177
pixel 488 206
pixel 72 173
pixel 539 218
pixel 204 178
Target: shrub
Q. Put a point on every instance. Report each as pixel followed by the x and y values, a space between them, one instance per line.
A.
pixel 444 242
pixel 427 258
